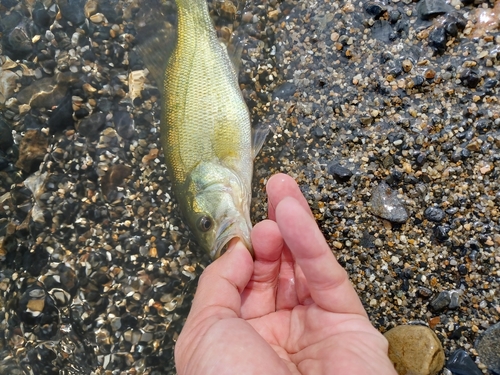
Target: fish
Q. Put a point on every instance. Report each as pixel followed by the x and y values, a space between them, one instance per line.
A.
pixel 206 134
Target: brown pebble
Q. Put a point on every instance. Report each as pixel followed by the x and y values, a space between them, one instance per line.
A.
pixel 415 350
pixel 430 74
pixel 32 150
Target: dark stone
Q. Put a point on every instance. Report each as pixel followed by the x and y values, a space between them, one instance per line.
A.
pixel 318 132
pixel 434 214
pixel 487 346
pixel 490 83
pixel 374 10
pixel 424 292
pixel 62 117
pixel 124 124
pixel 427 9
pixel 460 363
pixel 470 78
pixel 455 300
pixel 340 173
pixel 104 105
pixel 92 125
pixel 284 91
pixel 483 125
pixel 17 41
pixel 72 10
pixel 418 81
pixel 81 113
pixel 441 232
pixel 441 302
pixel 6 140
pixel 438 39
pixel 128 321
pixel 394 16
pixel 40 16
pixel 451 29
pixel 4 163
pixel 462 269
pixel 382 30
pixel 49 65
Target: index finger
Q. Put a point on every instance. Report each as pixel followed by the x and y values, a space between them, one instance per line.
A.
pixel 327 281
pixel 280 186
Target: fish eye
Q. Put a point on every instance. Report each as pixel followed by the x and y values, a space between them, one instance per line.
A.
pixel 205 223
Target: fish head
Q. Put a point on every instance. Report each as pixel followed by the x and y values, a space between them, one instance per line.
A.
pixel 217 208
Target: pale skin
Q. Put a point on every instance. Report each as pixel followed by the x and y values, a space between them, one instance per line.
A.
pixel 292 310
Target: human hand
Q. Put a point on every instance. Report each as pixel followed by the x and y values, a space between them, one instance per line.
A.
pixel 292 310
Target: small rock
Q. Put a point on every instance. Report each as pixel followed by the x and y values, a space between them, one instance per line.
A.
pixel 470 78
pixel 454 300
pixel 438 39
pixel 7 84
pixel 40 16
pixel 441 302
pixel 6 140
pixel 460 363
pixel 441 233
pixel 386 204
pixel 32 150
pixel 72 10
pixel 424 292
pixel 382 30
pixel 487 346
pixel 124 124
pixel 92 125
pixel 434 214
pixel 113 178
pixel 428 9
pixel 415 350
pixel 340 173
pixel 374 10
pixel 284 91
pixel 62 117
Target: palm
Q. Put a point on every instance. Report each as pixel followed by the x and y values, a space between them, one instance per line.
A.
pixel 282 313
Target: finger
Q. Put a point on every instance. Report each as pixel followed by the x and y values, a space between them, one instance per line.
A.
pixel 286 299
pixel 222 282
pixel 259 296
pixel 280 186
pixel 327 281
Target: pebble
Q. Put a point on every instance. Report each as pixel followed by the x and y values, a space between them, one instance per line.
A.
pixel 428 9
pixel 470 78
pixel 438 39
pixel 460 363
pixel 441 302
pixel 434 214
pixel 92 125
pixel 415 350
pixel 488 348
pixel 6 139
pixel 32 150
pixel 386 204
pixel 340 173
pixel 62 117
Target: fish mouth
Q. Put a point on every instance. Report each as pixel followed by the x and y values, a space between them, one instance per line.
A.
pixel 229 230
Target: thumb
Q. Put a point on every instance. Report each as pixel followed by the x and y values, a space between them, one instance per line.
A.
pixel 222 282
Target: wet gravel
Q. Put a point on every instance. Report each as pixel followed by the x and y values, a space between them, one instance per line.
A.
pixel 97 271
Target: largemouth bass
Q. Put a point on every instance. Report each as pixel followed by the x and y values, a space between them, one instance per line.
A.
pixel 206 133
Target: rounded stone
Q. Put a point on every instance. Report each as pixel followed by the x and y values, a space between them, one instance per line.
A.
pixel 487 347
pixel 415 350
